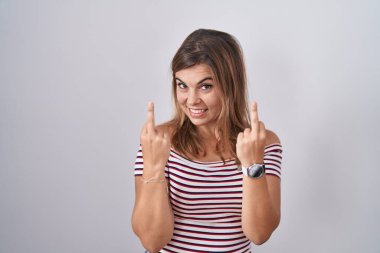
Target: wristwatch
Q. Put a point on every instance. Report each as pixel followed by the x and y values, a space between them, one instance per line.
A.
pixel 254 171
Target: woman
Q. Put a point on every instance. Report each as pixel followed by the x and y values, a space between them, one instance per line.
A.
pixel 209 179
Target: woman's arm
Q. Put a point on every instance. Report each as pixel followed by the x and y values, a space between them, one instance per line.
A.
pixel 261 196
pixel 152 218
pixel 261 210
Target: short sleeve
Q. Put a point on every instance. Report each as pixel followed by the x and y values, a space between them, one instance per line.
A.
pixel 273 159
pixel 139 164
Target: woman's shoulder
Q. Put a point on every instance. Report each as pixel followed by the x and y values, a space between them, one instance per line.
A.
pixel 271 138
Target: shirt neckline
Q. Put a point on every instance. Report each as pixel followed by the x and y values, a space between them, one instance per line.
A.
pixel 201 162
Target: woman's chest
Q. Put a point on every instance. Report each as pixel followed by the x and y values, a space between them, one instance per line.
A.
pixel 205 192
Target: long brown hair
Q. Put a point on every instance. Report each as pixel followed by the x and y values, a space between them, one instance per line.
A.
pixel 223 54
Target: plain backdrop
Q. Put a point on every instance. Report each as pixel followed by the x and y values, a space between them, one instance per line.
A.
pixel 75 80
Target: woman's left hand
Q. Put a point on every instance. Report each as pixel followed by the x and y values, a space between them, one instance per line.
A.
pixel 251 143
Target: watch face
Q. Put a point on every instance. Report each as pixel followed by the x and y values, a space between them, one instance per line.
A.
pixel 256 170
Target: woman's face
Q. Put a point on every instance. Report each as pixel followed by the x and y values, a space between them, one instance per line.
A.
pixel 198 95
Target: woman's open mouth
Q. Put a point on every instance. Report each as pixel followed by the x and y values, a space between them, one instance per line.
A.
pixel 197 113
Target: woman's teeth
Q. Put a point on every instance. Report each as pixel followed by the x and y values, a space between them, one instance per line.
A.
pixel 197 111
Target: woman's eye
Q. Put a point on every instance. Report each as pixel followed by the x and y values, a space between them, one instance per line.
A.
pixel 181 85
pixel 206 86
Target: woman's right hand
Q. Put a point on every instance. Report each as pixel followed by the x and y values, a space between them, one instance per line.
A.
pixel 155 144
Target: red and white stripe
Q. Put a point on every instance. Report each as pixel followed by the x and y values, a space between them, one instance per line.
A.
pixel 206 198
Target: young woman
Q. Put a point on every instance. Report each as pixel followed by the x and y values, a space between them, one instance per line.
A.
pixel 209 179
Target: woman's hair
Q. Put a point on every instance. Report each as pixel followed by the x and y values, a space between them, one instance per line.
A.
pixel 222 53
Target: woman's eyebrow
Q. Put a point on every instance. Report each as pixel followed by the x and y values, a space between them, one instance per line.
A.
pixel 204 79
pixel 201 81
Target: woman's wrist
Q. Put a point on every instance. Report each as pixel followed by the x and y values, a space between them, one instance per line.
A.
pixel 152 179
pixel 249 162
pixel 149 172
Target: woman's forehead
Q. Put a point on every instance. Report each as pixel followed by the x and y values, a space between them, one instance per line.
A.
pixel 195 72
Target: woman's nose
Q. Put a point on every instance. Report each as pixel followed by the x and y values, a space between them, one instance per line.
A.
pixel 193 98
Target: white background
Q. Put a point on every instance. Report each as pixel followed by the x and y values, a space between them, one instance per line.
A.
pixel 75 79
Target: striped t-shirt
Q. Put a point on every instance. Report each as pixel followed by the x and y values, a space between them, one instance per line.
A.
pixel 206 198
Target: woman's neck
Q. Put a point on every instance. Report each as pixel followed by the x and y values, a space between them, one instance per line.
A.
pixel 208 134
